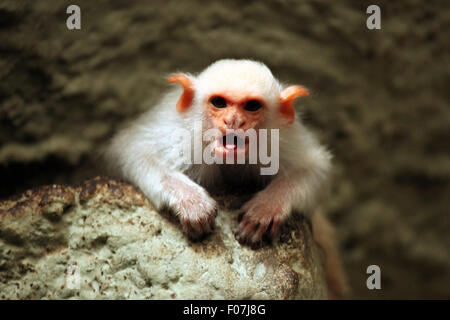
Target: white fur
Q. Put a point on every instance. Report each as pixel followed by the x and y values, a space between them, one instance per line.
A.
pixel 143 153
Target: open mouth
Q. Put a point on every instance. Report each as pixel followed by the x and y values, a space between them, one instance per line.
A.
pixel 230 143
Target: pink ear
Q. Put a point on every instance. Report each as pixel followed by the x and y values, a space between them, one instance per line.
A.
pixel 188 94
pixel 287 97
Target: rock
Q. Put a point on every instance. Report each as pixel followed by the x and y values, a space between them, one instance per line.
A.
pixel 103 240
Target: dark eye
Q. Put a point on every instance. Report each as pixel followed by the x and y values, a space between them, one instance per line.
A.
pixel 253 105
pixel 218 102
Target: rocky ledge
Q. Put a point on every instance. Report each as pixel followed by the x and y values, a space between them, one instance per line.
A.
pixel 104 240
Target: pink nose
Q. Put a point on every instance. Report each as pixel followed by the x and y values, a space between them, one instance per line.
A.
pixel 234 122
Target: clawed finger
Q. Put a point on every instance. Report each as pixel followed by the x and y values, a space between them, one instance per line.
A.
pixel 275 226
pixel 197 227
pixel 255 233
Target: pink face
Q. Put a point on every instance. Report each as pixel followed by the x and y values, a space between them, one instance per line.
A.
pixel 237 111
pixel 228 113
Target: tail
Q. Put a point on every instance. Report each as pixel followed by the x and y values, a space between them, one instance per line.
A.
pixel 324 235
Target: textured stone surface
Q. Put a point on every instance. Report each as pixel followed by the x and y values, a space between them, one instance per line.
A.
pixel 107 232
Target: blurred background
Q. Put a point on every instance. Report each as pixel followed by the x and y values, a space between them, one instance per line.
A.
pixel 380 102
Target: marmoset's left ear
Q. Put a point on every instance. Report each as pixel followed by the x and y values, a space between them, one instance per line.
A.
pixel 287 97
pixel 187 96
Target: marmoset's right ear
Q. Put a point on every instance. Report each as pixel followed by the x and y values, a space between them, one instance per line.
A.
pixel 187 96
